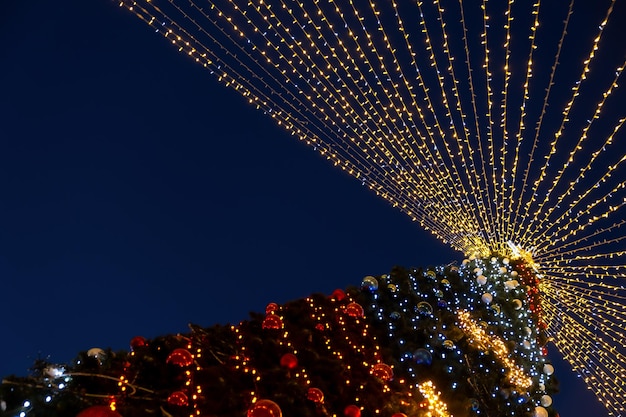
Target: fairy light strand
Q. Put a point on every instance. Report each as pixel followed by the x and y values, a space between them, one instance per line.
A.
pixel 539 124
pixel 568 107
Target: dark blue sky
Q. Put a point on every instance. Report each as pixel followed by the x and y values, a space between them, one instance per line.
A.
pixel 138 195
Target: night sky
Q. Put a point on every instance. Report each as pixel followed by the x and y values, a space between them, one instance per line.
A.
pixel 139 195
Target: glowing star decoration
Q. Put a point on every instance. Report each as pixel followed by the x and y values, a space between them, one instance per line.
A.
pixel 515 375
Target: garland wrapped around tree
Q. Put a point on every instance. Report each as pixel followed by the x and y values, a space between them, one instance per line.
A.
pixel 441 341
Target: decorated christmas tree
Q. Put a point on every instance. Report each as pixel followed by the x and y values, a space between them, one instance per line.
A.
pixel 454 114
pixel 440 341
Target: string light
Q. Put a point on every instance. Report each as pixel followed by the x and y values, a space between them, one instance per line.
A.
pixel 436 407
pixel 517 377
pixel 387 103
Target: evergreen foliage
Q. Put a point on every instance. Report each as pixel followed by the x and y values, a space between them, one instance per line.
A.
pixel 396 345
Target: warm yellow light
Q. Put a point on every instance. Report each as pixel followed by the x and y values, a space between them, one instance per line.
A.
pixel 516 376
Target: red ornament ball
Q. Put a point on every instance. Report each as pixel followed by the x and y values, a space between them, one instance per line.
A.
pixel 178 398
pixel 320 327
pixel 99 411
pixel 180 357
pixel 264 408
pixel 355 310
pixel 544 351
pixel 272 321
pixel 315 394
pixel 271 307
pixel 352 411
pixel 382 371
pixel 338 295
pixel 399 415
pixel 137 342
pixel 289 361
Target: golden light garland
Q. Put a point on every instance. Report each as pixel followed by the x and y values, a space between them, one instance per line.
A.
pixel 462 115
pixel 477 335
pixel 436 407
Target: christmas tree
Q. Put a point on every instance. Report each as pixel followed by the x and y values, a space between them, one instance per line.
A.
pixel 440 341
